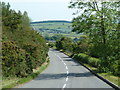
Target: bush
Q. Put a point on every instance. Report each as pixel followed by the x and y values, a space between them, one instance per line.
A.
pixel 94 61
pixel 87 59
pixel 115 68
pixel 15 61
pixel 51 44
pixel 23 49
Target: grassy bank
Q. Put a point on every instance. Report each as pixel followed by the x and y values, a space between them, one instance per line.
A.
pixel 108 76
pixel 15 82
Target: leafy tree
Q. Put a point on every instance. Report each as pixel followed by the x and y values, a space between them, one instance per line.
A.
pixel 65 44
pixel 99 20
pixel 25 20
pixel 9 17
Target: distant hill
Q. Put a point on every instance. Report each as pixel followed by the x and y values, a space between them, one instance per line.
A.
pixel 54 29
pixel 51 21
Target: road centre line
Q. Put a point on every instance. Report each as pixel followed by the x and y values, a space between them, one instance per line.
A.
pixel 64 86
pixel 64 64
pixel 67 72
pixel 66 67
pixel 67 78
pixel 59 57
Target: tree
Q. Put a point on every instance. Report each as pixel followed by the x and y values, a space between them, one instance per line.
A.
pixel 65 43
pixel 25 20
pixel 97 19
pixel 9 17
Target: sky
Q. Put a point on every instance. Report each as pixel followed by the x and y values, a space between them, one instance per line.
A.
pixel 40 10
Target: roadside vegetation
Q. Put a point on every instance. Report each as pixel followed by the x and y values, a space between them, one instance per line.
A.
pixel 23 49
pixel 98 47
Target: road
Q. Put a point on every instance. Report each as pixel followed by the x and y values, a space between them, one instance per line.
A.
pixel 64 72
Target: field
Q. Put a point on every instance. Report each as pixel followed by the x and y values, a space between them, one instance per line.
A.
pixel 53 29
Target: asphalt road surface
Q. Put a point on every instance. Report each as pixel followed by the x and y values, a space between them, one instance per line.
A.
pixel 64 72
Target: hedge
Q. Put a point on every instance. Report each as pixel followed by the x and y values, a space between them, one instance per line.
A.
pixel 15 61
pixel 95 62
pixel 87 59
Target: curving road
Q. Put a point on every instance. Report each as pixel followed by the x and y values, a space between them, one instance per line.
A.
pixel 64 72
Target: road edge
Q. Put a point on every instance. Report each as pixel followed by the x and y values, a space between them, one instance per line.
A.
pixel 100 77
pixel 33 76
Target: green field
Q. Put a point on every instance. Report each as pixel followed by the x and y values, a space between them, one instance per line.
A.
pixel 50 29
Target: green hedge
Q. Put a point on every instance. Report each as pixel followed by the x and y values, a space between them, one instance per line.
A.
pixel 95 62
pixel 87 59
pixel 15 61
pixel 115 68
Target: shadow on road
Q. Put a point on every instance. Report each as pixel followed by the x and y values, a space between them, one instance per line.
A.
pixel 62 75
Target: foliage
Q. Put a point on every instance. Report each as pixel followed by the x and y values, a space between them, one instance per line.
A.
pixel 87 59
pixel 51 44
pixel 99 21
pixel 82 46
pixel 15 81
pixel 54 37
pixel 23 49
pixel 15 61
pixel 65 44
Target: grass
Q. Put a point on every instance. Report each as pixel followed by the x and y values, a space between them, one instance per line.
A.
pixel 68 53
pixel 107 76
pixel 112 78
pixel 15 81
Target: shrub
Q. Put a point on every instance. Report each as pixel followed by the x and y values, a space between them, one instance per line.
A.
pixel 51 44
pixel 94 61
pixel 23 49
pixel 115 68
pixel 87 59
pixel 15 61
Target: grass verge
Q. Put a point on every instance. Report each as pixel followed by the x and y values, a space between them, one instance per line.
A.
pixel 107 76
pixel 8 83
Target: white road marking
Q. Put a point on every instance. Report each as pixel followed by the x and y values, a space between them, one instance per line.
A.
pixel 67 78
pixel 67 72
pixel 59 57
pixel 66 67
pixel 64 86
pixel 64 64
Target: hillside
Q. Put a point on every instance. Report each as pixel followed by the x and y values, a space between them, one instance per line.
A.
pixel 53 29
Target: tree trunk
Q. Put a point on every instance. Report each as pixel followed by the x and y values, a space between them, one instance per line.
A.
pixel 103 26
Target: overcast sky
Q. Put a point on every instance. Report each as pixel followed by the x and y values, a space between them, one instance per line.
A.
pixel 39 10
